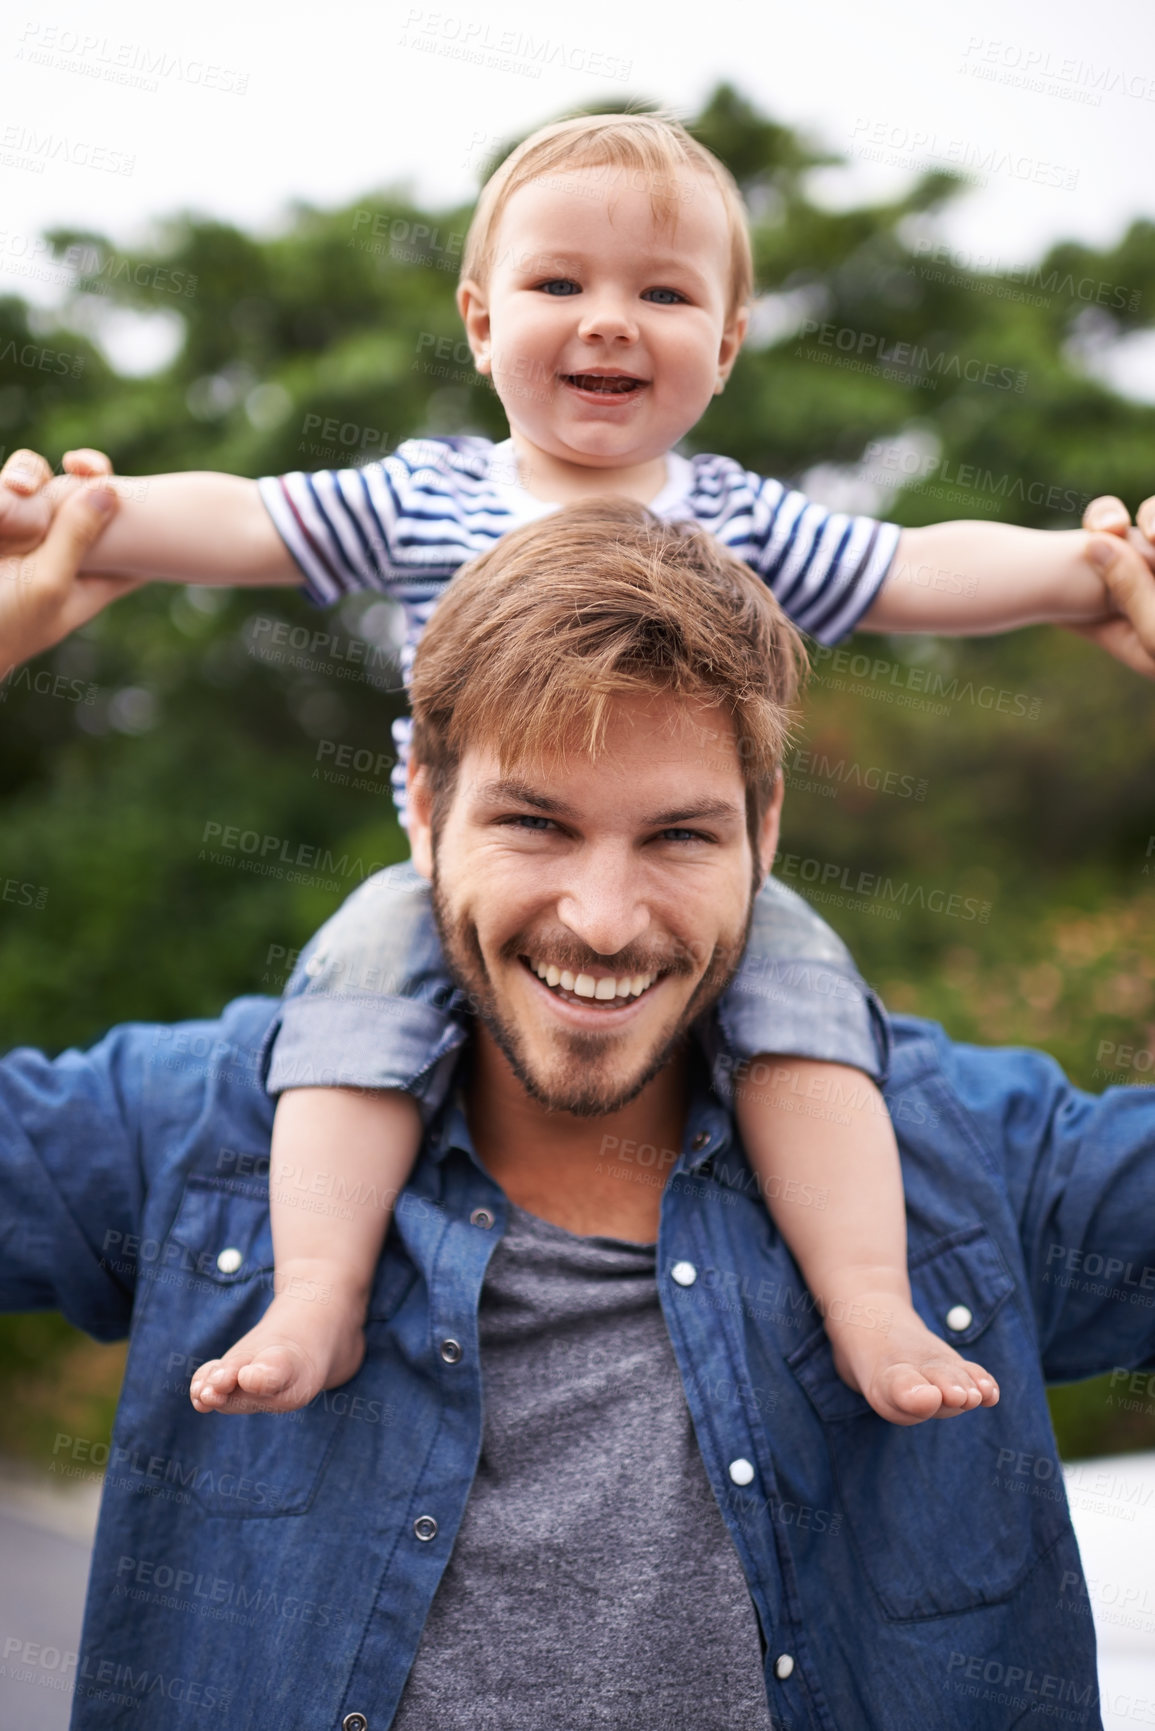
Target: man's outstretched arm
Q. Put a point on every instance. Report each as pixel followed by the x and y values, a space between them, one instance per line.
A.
pixel 96 1149
pixel 1079 1170
pixel 71 1184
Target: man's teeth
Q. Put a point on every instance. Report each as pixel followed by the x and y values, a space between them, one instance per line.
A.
pixel 585 986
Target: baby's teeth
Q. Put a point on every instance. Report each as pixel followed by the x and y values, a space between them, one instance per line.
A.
pixel 566 981
pixel 605 989
pixel 584 986
pixel 552 975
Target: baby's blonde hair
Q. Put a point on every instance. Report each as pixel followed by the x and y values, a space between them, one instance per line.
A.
pixel 656 147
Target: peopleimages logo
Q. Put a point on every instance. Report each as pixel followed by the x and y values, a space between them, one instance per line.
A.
pixel 877 893
pixel 913 687
pixel 278 856
pixel 918 365
pixel 816 772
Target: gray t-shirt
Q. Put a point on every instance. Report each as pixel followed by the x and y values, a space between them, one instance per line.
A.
pixel 593 1582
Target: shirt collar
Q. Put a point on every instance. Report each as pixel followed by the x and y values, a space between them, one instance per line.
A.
pixel 709 1127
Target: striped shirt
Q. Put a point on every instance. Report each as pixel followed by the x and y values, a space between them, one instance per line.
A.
pixel 405 524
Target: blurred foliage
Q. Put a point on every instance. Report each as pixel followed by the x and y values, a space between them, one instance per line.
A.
pixel 1010 774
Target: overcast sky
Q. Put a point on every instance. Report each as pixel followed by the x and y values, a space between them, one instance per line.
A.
pixel 234 110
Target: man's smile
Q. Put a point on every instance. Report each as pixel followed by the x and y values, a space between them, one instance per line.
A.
pixel 597 994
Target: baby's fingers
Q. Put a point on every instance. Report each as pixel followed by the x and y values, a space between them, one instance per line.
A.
pixel 86 461
pixel 1107 515
pixel 26 472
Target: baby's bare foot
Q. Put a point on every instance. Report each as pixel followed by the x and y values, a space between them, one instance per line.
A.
pixel 299 1347
pixel 883 1349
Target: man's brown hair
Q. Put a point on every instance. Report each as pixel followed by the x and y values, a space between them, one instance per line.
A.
pixel 534 639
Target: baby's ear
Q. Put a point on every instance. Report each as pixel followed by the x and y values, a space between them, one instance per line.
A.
pixel 474 309
pixel 733 336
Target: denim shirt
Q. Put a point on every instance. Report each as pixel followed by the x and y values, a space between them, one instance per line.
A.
pixel 274 1573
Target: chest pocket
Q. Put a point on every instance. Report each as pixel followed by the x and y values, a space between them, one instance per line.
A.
pixel 210 1282
pixel 945 1516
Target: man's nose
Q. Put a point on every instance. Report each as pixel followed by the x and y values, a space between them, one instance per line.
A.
pixel 603 907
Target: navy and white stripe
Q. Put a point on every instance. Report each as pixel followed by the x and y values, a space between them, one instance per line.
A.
pixel 405 524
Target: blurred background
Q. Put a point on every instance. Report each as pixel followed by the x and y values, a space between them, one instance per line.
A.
pixel 226 252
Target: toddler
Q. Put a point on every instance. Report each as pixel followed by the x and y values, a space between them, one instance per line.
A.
pixel 605 290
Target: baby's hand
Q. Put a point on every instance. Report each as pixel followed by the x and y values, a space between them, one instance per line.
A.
pixel 1127 630
pixel 1107 515
pixel 30 494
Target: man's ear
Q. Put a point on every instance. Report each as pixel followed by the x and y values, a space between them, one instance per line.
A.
pixel 770 825
pixel 420 814
pixel 474 310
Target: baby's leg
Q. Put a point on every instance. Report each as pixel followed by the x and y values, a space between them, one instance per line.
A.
pixel 820 1140
pixel 834 1188
pixel 366 1011
pixel 335 1143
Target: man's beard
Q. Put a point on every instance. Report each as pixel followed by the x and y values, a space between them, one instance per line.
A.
pixel 576 1087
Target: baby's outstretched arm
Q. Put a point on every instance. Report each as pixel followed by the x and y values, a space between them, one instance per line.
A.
pixel 339 1159
pixel 199 527
pixel 972 578
pixel 820 1141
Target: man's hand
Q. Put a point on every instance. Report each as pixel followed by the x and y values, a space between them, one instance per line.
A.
pixel 30 495
pixel 42 597
pixel 1124 557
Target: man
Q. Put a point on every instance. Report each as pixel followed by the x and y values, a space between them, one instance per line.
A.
pixel 670 1511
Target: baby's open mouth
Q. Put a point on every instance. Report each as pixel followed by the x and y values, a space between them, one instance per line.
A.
pixel 606 384
pixel 609 989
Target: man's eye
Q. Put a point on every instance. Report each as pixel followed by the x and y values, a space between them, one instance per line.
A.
pixel 663 297
pixel 530 820
pixel 559 286
pixel 683 835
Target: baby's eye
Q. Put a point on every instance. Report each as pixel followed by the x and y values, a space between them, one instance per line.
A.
pixel 559 286
pixel 670 297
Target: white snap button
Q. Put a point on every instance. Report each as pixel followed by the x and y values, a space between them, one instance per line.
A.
pixel 314 965
pixel 783 1666
pixel 684 1273
pixel 741 1472
pixel 481 1217
pixel 229 1260
pixel 958 1317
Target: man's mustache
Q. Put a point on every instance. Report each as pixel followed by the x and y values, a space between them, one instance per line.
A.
pixel 564 951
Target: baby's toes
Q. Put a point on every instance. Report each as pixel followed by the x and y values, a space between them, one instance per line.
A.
pixel 985 1383
pixel 212 1384
pixel 904 1395
pixel 954 1382
pixel 270 1373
